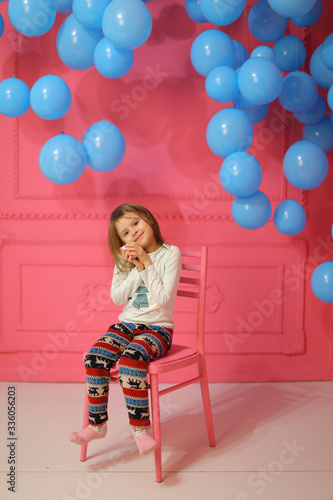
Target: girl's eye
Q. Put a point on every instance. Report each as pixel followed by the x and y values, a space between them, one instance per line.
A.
pixel 125 234
pixel 136 222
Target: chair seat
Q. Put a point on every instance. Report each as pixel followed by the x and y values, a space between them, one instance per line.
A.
pixel 179 356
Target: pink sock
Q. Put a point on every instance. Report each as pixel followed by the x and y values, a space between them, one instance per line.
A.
pixel 88 434
pixel 144 442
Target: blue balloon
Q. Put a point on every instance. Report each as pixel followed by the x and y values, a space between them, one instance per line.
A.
pixel 104 145
pixel 2 26
pixel 330 97
pixel 327 51
pixel 50 97
pixel 242 103
pixel 32 17
pixel 221 12
pixel 260 80
pixel 314 114
pixel 305 165
pixel 229 131
pixel 240 174
pixel 90 12
pixel 76 44
pixel 322 282
pixel 265 24
pixel 210 49
pixel 111 61
pixel 320 133
pixel 63 6
pixel 222 84
pixel 310 17
pixel 319 71
pixel 241 55
pixel 62 159
pixel 127 23
pixel 257 115
pixel 289 217
pixel 193 11
pixel 251 212
pixel 290 8
pixel 290 53
pixel 263 51
pixel 14 97
pixel 299 92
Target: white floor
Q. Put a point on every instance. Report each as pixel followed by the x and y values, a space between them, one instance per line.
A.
pixel 274 442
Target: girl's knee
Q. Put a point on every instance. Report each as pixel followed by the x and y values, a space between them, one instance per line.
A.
pixel 132 358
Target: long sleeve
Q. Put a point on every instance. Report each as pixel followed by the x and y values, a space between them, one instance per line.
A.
pixel 124 286
pixel 163 289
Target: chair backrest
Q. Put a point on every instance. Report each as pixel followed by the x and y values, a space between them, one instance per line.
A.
pixel 192 284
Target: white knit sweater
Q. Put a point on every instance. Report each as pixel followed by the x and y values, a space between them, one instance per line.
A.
pixel 149 296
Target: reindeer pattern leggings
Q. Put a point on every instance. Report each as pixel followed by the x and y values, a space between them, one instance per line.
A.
pixel 134 345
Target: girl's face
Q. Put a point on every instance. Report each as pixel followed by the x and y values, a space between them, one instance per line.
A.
pixel 131 228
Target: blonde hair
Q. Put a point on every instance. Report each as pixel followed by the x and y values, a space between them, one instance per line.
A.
pixel 115 242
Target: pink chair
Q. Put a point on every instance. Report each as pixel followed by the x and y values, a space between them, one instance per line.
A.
pixel 193 286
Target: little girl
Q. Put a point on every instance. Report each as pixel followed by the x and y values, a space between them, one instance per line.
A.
pixel 145 279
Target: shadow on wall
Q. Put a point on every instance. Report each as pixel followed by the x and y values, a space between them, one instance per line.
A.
pixel 173 22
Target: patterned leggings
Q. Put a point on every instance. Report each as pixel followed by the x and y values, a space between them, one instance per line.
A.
pixel 134 345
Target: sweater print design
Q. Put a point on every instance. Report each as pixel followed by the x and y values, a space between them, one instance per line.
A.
pixel 141 299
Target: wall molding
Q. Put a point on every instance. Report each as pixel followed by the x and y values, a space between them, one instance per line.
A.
pixel 106 216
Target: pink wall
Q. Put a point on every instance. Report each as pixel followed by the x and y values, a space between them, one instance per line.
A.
pixel 263 321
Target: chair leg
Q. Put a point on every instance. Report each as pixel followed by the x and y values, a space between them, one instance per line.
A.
pixel 206 404
pixel 84 425
pixel 155 405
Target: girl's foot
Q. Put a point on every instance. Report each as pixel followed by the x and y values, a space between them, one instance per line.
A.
pixel 88 434
pixel 144 442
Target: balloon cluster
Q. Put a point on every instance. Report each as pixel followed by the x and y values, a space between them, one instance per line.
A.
pixel 251 83
pixel 100 33
pixel 97 32
pixel 104 34
pixel 63 158
pixel 50 97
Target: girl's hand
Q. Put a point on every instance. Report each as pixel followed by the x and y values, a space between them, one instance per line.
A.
pixel 133 252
